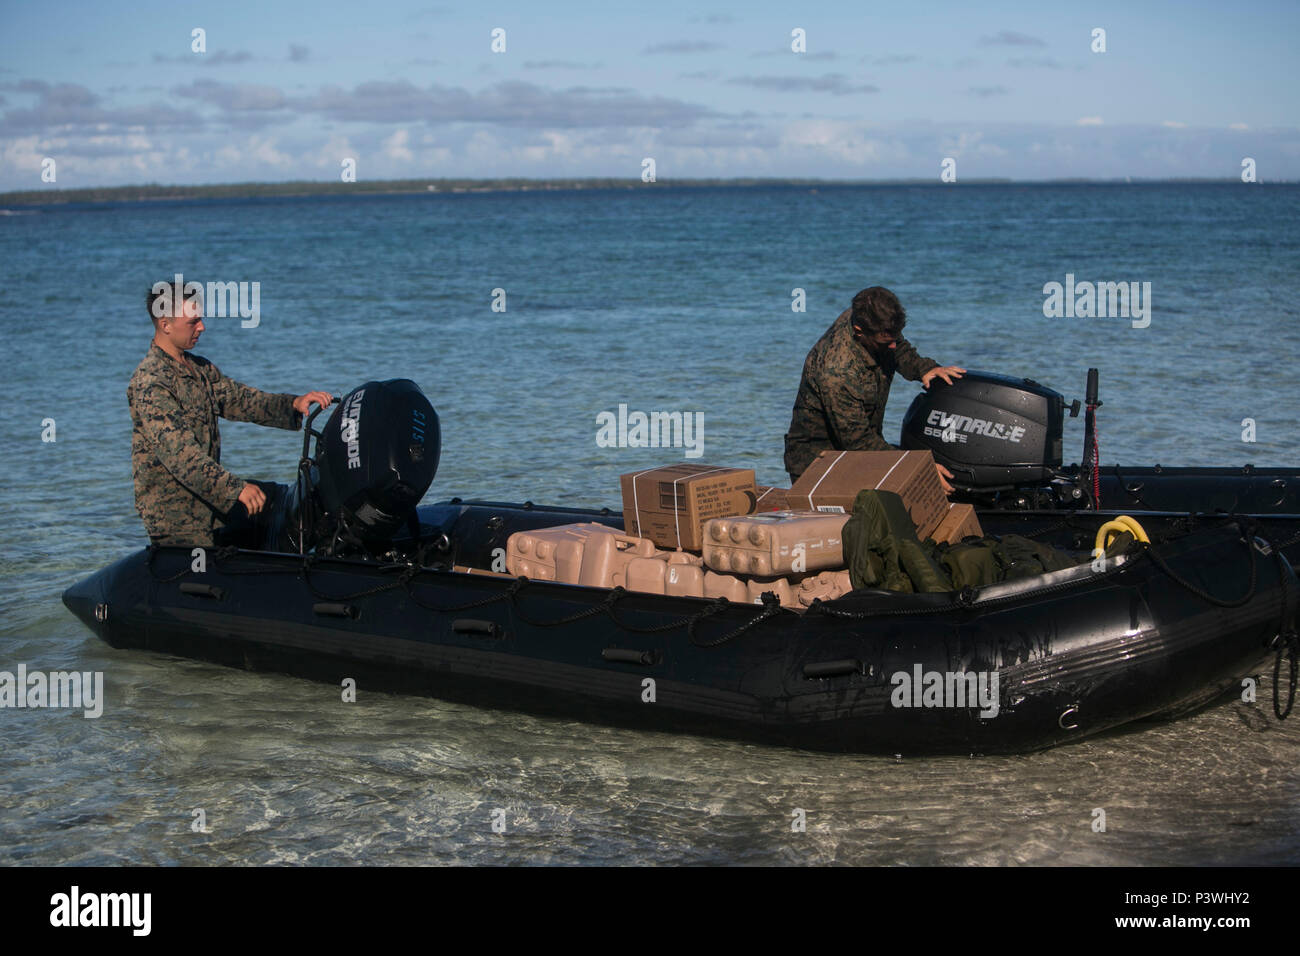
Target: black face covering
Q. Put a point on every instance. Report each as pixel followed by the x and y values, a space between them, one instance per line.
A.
pixel 885 356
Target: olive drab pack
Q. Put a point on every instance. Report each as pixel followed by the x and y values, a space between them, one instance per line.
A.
pixel 988 560
pixel 882 551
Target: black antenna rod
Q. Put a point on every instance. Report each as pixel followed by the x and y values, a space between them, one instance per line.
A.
pixel 1088 476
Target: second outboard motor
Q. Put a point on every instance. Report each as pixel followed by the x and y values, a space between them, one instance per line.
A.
pixel 375 459
pixel 991 431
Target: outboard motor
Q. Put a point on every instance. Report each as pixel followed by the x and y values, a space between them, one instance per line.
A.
pixel 991 431
pixel 375 459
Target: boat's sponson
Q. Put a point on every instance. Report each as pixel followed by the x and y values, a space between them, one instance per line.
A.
pixel 1246 490
pixel 1242 490
pixel 1074 653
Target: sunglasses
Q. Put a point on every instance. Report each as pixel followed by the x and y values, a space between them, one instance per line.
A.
pixel 881 338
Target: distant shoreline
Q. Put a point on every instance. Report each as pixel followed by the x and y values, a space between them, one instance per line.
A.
pixel 153 192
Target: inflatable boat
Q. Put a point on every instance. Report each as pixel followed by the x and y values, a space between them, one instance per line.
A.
pixel 354 581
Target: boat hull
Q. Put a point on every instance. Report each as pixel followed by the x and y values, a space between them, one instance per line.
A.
pixel 1075 656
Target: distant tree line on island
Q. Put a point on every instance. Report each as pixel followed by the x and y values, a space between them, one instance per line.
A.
pixel 156 192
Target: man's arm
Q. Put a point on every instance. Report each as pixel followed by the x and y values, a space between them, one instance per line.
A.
pixel 241 403
pixel 162 421
pixel 911 364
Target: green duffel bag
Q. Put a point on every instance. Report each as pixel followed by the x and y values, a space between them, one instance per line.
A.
pixel 927 575
pixel 1010 557
pixel 1024 558
pixel 971 564
pixel 882 551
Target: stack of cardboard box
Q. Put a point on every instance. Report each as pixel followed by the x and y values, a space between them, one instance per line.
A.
pixel 702 531
pixel 670 505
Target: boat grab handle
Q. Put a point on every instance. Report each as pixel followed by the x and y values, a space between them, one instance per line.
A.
pixel 336 610
pixel 203 590
pixel 629 655
pixel 469 625
pixel 824 669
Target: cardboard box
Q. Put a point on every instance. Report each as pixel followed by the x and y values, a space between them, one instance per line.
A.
pixel 834 479
pixel 959 522
pixel 771 499
pixel 670 505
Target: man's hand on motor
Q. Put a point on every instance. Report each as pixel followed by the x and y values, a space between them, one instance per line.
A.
pixel 944 475
pixel 945 372
pixel 323 399
pixel 252 498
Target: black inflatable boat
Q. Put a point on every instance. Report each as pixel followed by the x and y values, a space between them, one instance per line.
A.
pixel 355 582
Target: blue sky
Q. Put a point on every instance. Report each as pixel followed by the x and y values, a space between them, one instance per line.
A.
pixel 115 95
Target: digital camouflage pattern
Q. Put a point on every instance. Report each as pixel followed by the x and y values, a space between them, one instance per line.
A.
pixel 181 490
pixel 842 396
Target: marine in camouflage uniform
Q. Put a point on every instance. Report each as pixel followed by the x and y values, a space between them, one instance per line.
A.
pixel 181 490
pixel 176 397
pixel 845 387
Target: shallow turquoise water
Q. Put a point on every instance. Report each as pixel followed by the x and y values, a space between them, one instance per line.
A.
pixel 666 301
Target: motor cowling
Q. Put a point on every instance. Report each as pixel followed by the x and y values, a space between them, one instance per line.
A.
pixel 989 430
pixel 375 459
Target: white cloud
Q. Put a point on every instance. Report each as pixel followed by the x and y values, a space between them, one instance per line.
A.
pixel 840 142
pixel 265 151
pixel 965 139
pixel 260 150
pixel 395 146
pixel 25 153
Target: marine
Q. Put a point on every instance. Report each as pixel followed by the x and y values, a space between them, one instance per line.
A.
pixel 181 490
pixel 841 400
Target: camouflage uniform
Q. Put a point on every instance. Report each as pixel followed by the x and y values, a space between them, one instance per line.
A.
pixel 842 396
pixel 181 490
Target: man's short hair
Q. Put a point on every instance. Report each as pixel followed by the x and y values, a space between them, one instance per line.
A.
pixel 878 310
pixel 162 297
